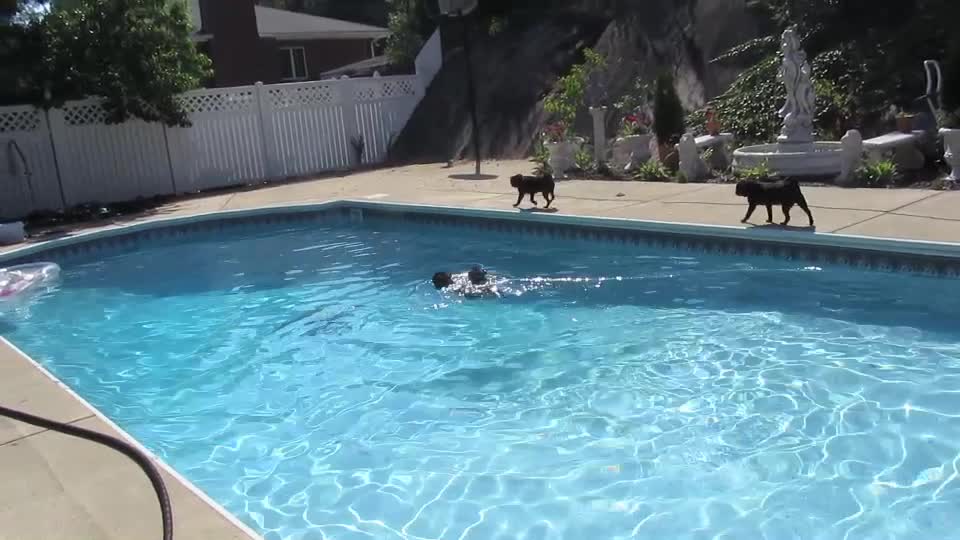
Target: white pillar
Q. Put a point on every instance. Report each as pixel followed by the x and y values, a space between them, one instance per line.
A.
pixel 951 145
pixel 599 133
pixel 691 166
pixel 852 149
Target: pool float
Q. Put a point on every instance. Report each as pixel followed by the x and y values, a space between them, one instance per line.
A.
pixel 17 280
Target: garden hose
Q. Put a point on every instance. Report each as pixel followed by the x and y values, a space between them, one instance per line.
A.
pixel 166 511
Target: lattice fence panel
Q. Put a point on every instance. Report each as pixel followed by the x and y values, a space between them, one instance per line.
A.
pixel 19 120
pixel 292 97
pixel 231 101
pixel 84 114
pixel 399 88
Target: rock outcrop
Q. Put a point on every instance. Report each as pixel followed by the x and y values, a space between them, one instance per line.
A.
pixel 518 67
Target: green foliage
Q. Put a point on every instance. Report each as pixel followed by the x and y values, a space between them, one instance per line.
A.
pixel 637 100
pixel 878 174
pixel 749 108
pixel 760 173
pixel 668 123
pixel 652 171
pixel 584 160
pixel 865 56
pixel 406 30
pixel 570 90
pixel 135 54
pixel 541 157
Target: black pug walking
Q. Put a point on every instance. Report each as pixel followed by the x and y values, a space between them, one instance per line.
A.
pixel 783 193
pixel 531 185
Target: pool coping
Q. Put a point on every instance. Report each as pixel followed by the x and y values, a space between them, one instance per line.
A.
pixel 777 236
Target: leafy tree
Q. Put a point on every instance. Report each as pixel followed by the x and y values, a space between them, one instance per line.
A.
pixel 571 89
pixel 135 54
pixel 667 111
pixel 410 22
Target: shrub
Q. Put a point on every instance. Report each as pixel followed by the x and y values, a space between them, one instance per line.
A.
pixel 878 174
pixel 668 123
pixel 568 97
pixel 652 171
pixel 541 157
pixel 584 160
pixel 760 173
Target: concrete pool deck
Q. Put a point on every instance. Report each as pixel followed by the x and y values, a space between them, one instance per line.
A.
pixel 58 487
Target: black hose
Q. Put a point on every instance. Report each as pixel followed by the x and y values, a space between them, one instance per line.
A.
pixel 166 511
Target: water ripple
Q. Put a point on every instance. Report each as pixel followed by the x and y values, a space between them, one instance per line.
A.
pixel 313 382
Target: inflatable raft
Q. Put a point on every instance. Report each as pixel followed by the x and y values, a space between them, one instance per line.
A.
pixel 17 281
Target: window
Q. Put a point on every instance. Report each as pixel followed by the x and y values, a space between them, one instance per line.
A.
pixel 293 64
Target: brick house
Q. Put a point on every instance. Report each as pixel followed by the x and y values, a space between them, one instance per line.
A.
pixel 250 43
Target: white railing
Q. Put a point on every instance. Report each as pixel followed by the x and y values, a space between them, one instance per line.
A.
pixel 239 135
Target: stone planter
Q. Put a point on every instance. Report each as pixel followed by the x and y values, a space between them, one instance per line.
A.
pixel 12 233
pixel 631 150
pixel 951 154
pixel 563 156
pixel 905 123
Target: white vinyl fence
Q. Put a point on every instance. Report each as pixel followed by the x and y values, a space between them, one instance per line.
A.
pixel 69 156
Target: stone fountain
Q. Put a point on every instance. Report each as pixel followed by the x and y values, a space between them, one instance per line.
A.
pixel 795 153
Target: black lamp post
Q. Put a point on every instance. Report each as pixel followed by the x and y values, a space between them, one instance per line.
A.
pixel 460 9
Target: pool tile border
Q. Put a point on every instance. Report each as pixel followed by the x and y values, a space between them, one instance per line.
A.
pixel 867 253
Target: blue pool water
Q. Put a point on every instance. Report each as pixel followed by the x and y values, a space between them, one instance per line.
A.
pixel 312 381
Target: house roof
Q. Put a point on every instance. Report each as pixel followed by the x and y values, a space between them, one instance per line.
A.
pixel 369 64
pixel 288 25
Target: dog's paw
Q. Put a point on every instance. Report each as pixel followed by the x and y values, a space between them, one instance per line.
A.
pixel 744 221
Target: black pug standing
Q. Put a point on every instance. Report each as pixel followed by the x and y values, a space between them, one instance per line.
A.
pixel 783 193
pixel 531 185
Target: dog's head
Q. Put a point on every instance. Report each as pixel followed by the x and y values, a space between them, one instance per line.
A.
pixel 442 279
pixel 516 180
pixel 477 275
pixel 746 188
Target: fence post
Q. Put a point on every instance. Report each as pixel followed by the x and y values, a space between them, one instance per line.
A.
pixel 351 123
pixel 268 138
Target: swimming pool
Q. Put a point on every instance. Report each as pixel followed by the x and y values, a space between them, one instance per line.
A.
pixel 310 379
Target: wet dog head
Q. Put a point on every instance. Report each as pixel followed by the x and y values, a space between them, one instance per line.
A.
pixel 477 275
pixel 516 180
pixel 442 280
